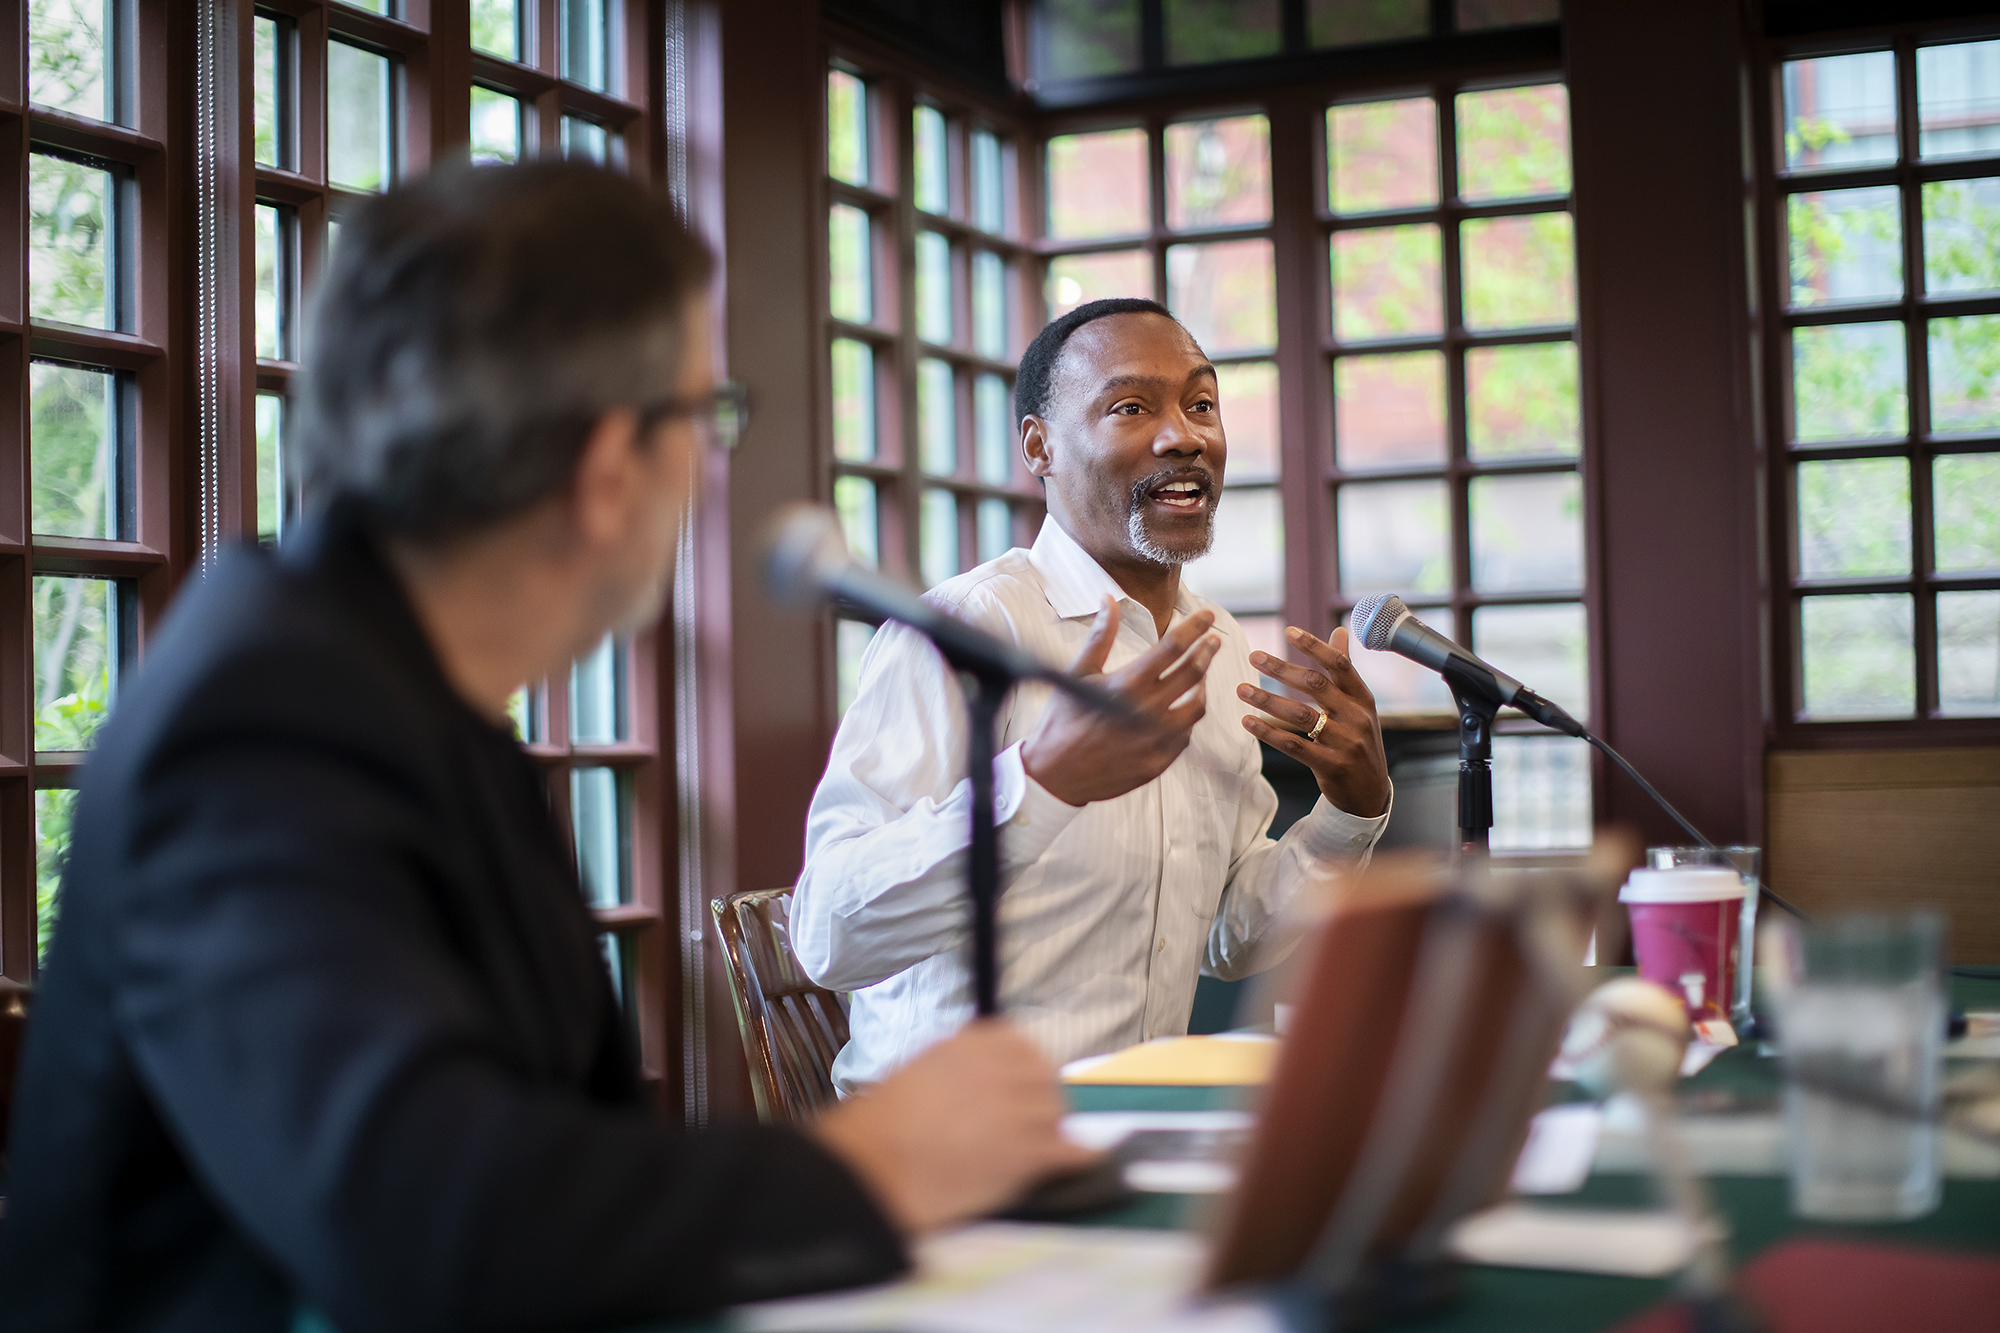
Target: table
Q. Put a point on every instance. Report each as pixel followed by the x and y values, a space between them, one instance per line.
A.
pixel 1500 1300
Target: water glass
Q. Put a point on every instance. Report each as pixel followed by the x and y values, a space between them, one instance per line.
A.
pixel 1862 1028
pixel 1745 861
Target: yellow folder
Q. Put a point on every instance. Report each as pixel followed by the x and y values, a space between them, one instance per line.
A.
pixel 1231 1061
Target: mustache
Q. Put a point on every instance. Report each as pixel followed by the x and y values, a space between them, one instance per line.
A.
pixel 1198 474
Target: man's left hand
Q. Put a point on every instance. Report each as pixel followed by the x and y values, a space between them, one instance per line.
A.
pixel 1347 756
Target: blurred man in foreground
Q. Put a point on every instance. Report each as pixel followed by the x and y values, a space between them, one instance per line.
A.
pixel 325 1026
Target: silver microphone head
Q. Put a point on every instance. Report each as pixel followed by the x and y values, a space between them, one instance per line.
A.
pixel 1375 619
pixel 803 547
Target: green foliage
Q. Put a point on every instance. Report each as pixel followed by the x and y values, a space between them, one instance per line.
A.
pixel 66 55
pixel 1848 382
pixel 1386 282
pixel 1522 400
pixel 1808 134
pixel 69 440
pixel 1203 31
pixel 494 28
pixel 264 91
pixel 68 241
pixel 1829 232
pixel 1520 272
pixel 1854 518
pixel 1513 142
pixel 1965 498
pixel 53 810
pixel 1219 172
pixel 71 721
pixel 1381 155
pixel 1860 656
pixel 1353 22
pixel 1965 373
pixel 1085 37
pixel 72 660
pixel 1962 236
pixel 846 127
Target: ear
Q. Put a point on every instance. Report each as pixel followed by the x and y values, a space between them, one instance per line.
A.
pixel 607 484
pixel 1035 447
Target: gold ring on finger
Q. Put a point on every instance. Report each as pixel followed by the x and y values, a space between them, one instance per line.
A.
pixel 1318 727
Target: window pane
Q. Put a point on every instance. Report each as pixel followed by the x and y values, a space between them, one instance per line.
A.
pixel 1958 99
pixel 1382 155
pixel 1541 646
pixel 854 501
pixel 1860 659
pixel 933 163
pixel 853 400
pixel 1846 245
pixel 53 809
pixel 265 53
pixel 1840 111
pixel 273 283
pixel 1389 410
pixel 75 654
pixel 586 42
pixel 1521 400
pixel 1962 236
pixel 357 118
pixel 496 28
pixel 73 451
pixel 933 288
pixel 1399 685
pixel 1968 652
pixel 68 56
pixel 597 694
pixel 850 641
pixel 70 242
pixel 1098 185
pixel 1965 374
pixel 1965 501
pixel 1527 533
pixel 1264 634
pixel 270 466
pixel 1472 15
pixel 1202 31
pixel 989 184
pixel 1513 142
pixel 598 816
pixel 586 141
pixel 1246 565
pixel 1225 293
pixel 1395 536
pixel 1387 282
pixel 1519 272
pixel 1078 38
pixel 846 127
pixel 937 418
pixel 1076 279
pixel 989 304
pixel 523 712
pixel 937 542
pixel 850 276
pixel 1541 793
pixel 1848 382
pixel 1248 395
pixel 496 126
pixel 1854 518
pixel 1218 172
pixel 993 429
pixel 996 529
pixel 1352 22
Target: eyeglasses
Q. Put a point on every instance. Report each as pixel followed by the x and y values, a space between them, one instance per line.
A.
pixel 720 414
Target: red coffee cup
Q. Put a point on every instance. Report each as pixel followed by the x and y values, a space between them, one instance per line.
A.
pixel 1684 932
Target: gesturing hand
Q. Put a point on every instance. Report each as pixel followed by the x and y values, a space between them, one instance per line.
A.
pixel 1346 756
pixel 1081 755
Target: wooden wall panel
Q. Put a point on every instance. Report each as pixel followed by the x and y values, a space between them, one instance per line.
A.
pixel 1886 829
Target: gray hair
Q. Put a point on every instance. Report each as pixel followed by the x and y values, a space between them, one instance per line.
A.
pixel 475 325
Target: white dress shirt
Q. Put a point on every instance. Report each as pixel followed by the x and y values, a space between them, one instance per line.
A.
pixel 1108 911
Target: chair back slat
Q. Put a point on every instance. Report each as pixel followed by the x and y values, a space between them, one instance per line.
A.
pixel 791 1028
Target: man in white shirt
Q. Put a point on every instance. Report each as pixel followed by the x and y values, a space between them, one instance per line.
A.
pixel 1134 855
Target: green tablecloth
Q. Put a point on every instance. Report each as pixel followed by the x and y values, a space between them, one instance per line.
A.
pixel 1498 1300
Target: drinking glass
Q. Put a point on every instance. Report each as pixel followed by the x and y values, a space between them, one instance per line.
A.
pixel 1862 1028
pixel 1745 861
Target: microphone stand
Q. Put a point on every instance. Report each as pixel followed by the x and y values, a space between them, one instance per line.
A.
pixel 987 689
pixel 1475 769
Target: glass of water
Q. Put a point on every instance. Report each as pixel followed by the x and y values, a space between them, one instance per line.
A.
pixel 1862 1028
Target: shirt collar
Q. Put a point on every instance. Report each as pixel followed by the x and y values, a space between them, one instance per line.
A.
pixel 1076 584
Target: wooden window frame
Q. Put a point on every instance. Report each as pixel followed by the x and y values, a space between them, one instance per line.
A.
pixel 1774 186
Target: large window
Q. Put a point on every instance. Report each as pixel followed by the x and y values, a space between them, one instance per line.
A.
pixel 1885 225
pixel 927 308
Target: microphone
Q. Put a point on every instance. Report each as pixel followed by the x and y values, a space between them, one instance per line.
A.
pixel 807 562
pixel 1384 624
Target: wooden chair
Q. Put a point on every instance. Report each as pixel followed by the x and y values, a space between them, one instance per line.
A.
pixel 792 1029
pixel 14 1000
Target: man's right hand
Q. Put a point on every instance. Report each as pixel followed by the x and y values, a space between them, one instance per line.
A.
pixel 959 1131
pixel 1080 755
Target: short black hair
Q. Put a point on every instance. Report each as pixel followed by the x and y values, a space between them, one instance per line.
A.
pixel 1038 364
pixel 477 323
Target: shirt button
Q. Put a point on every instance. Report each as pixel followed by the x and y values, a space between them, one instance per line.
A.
pixel 1162 946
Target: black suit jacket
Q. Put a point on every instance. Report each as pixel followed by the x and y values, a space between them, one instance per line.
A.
pixel 323 1021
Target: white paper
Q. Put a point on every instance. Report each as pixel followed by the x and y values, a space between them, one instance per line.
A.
pixel 1562 1143
pixel 1105 1129
pixel 1620 1242
pixel 1002 1277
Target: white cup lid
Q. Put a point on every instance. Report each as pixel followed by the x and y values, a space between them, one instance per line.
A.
pixel 1683 884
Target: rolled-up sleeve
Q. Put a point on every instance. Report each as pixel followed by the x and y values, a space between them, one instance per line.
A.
pixel 884 881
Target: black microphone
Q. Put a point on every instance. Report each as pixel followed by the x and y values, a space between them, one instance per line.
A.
pixel 807 562
pixel 1384 624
